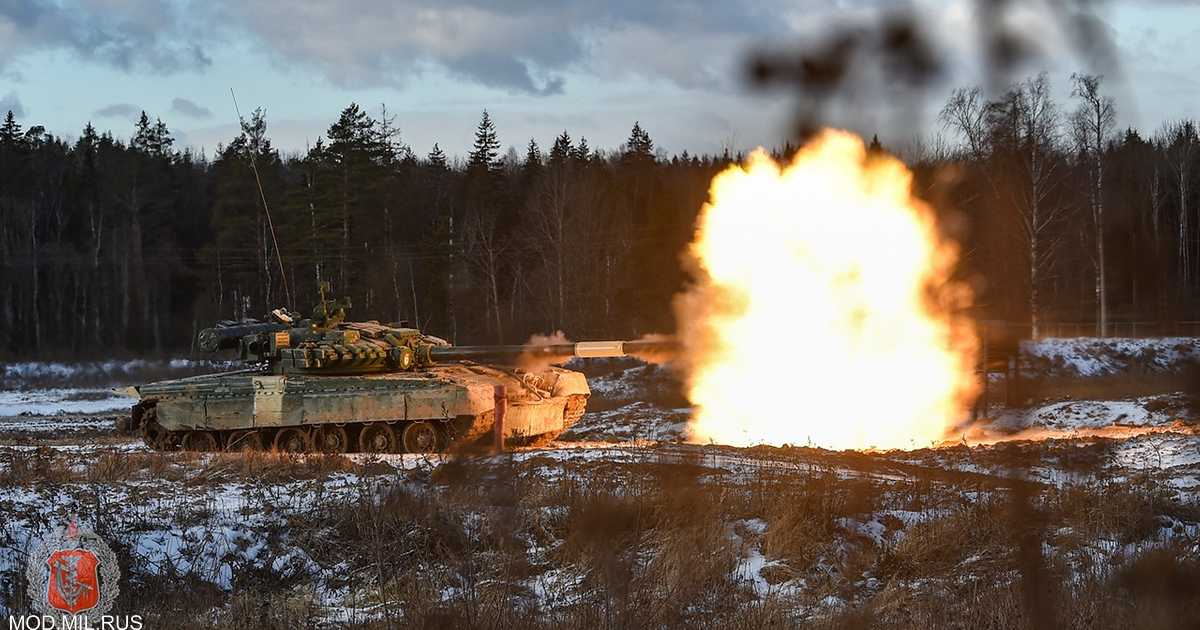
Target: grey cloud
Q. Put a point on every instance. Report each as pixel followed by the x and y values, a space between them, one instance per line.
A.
pixel 144 34
pixel 522 46
pixel 118 110
pixel 12 103
pixel 189 108
pixel 504 72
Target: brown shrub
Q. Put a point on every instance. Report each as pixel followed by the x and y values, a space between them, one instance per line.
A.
pixel 601 523
pixel 802 519
pixel 37 466
pixel 1126 512
pixel 936 546
pixel 272 467
pixel 114 466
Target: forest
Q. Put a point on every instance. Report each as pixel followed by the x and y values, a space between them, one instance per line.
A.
pixel 119 247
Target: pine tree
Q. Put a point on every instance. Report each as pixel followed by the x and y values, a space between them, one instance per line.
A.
pixel 10 132
pixel 162 138
pixel 407 157
pixel 254 140
pixel 533 156
pixel 351 176
pixel 143 134
pixel 487 146
pixel 88 139
pixel 388 144
pixel 85 150
pixel 353 133
pixel 639 147
pixel 561 151
pixel 437 158
pixel 581 154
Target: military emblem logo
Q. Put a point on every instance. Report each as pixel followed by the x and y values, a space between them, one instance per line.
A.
pixel 73 571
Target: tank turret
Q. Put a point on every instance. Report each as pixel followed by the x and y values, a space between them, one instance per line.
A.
pixel 322 343
pixel 327 343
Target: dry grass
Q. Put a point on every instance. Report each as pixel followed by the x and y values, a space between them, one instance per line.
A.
pixel 500 543
pixel 272 467
pixel 29 467
pixel 940 544
pixel 1127 512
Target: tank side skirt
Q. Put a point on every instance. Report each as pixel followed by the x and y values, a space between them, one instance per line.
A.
pixel 458 397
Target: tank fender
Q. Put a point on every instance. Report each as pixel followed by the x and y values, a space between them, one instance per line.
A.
pixel 570 383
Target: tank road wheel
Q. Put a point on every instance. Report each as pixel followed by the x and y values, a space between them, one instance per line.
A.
pixel 244 442
pixel 199 441
pixel 157 437
pixel 292 440
pixel 575 408
pixel 331 439
pixel 377 437
pixel 139 415
pixel 421 437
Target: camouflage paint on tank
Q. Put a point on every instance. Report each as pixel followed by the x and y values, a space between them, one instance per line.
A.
pixel 537 400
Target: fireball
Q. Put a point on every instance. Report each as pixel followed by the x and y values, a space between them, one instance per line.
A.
pixel 822 309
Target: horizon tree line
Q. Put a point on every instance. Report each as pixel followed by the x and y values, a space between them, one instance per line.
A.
pixel 111 246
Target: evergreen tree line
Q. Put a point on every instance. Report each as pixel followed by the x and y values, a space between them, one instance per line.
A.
pixel 116 247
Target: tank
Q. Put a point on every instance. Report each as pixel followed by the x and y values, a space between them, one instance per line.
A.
pixel 325 384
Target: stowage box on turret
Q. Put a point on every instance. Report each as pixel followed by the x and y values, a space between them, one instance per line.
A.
pixel 325 384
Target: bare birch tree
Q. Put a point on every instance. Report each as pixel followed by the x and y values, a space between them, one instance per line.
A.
pixel 485 253
pixel 549 210
pixel 1179 143
pixel 966 112
pixel 1027 124
pixel 1091 125
pixel 1037 138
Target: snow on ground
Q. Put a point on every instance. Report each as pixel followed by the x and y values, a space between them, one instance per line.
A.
pixel 1159 451
pixel 635 421
pixel 625 380
pixel 215 532
pixel 53 424
pixel 1070 415
pixel 26 374
pixel 1093 356
pixel 752 562
pixel 57 401
pixel 627 384
pixel 195 520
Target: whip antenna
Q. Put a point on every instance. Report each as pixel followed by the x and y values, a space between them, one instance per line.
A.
pixel 257 180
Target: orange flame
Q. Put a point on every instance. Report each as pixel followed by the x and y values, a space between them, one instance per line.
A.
pixel 822 309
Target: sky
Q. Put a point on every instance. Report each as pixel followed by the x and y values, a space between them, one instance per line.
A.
pixel 538 66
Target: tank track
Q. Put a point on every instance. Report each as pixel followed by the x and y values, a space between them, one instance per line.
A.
pixel 574 410
pixel 576 406
pixel 351 437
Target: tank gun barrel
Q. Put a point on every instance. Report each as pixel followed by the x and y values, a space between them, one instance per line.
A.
pixel 226 337
pixel 554 351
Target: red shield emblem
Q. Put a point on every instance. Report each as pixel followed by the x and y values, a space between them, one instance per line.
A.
pixel 74 584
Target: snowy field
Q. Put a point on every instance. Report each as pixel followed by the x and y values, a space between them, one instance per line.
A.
pixel 619 518
pixel 798 535
pixel 1092 356
pixel 60 401
pixel 49 374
